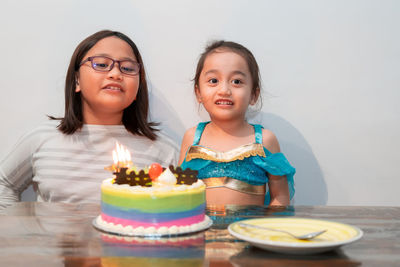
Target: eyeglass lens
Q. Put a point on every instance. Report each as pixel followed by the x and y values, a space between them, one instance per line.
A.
pixel 106 64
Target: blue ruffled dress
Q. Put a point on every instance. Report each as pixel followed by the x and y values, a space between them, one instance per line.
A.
pixel 248 164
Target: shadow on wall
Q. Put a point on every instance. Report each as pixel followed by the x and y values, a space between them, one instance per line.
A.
pixel 310 185
pixel 29 194
pixel 162 112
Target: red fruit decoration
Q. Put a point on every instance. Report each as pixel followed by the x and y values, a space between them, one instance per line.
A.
pixel 155 170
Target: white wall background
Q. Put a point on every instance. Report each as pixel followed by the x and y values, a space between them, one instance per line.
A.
pixel 330 73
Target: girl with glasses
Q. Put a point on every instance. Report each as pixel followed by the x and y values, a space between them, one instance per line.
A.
pixel 106 101
pixel 239 162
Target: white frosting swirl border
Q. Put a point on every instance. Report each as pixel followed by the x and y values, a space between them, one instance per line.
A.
pixel 151 231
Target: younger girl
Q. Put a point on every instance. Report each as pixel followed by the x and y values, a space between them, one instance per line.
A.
pixel 106 101
pixel 240 163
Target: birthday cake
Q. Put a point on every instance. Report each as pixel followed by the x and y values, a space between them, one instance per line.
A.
pixel 153 201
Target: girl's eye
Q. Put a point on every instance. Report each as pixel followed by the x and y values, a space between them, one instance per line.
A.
pixel 213 81
pixel 236 81
pixel 127 69
pixel 101 65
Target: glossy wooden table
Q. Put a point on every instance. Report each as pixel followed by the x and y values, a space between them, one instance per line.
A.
pixel 54 234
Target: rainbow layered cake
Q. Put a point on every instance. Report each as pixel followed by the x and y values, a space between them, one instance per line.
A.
pixel 155 201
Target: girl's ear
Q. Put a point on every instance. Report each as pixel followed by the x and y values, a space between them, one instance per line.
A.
pixel 255 96
pixel 198 95
pixel 77 87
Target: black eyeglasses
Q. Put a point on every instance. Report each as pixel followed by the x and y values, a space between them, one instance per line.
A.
pixel 105 64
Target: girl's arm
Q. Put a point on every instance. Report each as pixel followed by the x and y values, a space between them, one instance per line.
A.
pixel 186 143
pixel 279 190
pixel 16 170
pixel 278 185
pixel 8 195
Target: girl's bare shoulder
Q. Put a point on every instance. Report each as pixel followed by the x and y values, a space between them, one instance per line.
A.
pixel 270 141
pixel 189 134
pixel 187 141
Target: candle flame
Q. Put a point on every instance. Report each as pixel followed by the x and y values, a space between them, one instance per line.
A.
pixel 121 156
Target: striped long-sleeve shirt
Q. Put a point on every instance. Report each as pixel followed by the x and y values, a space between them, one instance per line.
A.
pixel 70 168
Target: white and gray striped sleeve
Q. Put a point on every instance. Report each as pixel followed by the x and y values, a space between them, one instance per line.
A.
pixel 16 170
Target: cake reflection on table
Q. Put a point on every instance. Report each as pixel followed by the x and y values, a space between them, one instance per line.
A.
pixel 188 246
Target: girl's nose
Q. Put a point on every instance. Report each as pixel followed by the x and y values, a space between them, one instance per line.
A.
pixel 115 72
pixel 224 89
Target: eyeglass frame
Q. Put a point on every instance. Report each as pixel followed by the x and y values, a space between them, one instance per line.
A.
pixel 112 65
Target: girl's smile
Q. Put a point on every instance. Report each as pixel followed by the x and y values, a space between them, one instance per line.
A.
pixel 224 102
pixel 114 87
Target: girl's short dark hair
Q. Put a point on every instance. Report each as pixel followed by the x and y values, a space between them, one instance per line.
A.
pixel 236 48
pixel 134 116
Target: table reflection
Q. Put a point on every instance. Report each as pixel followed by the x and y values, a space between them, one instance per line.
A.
pixel 56 234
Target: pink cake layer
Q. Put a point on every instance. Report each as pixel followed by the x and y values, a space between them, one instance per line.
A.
pixel 134 224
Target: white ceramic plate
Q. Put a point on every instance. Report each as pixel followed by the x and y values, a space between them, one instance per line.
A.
pixel 116 231
pixel 337 234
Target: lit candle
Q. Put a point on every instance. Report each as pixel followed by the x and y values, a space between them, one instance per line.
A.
pixel 121 157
